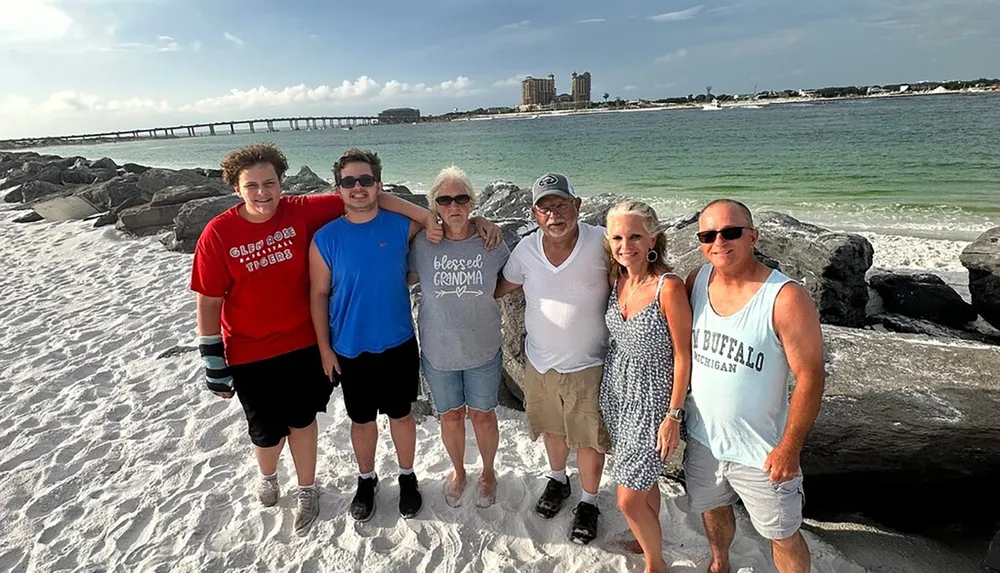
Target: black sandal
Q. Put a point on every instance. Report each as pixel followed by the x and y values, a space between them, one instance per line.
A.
pixel 552 498
pixel 584 523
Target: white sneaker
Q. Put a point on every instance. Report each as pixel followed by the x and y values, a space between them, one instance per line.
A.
pixel 268 491
pixel 307 510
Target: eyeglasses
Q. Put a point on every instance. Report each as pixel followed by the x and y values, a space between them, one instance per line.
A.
pixel 561 208
pixel 445 200
pixel 729 234
pixel 350 182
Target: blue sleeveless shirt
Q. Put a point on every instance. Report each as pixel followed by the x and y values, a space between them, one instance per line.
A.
pixel 369 297
pixel 739 375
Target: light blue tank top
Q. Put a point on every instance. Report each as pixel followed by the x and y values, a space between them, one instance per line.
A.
pixel 369 298
pixel 739 375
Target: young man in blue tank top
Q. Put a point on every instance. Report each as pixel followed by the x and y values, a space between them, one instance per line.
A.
pixel 752 328
pixel 360 306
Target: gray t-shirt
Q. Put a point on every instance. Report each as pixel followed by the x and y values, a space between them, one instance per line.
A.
pixel 459 320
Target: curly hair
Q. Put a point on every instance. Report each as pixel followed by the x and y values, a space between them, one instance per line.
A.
pixel 253 154
pixel 355 155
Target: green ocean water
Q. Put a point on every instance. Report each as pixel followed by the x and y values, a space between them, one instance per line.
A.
pixel 928 166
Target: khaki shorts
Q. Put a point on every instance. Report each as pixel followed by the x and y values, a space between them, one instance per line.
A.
pixel 566 405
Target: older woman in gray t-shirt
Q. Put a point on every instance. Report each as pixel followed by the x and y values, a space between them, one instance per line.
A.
pixel 459 330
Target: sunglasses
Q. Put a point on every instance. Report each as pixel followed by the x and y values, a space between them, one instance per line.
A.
pixel 729 234
pixel 445 200
pixel 350 182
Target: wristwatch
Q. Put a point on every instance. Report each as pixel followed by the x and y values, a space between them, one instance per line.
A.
pixel 676 413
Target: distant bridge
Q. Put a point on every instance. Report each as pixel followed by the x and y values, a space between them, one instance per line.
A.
pixel 203 129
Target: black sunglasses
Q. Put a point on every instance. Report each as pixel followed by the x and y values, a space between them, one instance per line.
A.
pixel 350 182
pixel 729 234
pixel 445 200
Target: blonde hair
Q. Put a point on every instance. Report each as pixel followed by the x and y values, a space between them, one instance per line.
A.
pixel 449 175
pixel 652 225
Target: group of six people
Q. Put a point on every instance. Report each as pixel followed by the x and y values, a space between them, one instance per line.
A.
pixel 297 294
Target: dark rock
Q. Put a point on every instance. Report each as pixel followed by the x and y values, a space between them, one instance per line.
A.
pixel 831 266
pixel 29 217
pixel 76 162
pixel 923 296
pixel 393 188
pixel 906 405
pixel 505 200
pixel 146 219
pixel 87 176
pixel 982 258
pixel 594 210
pixel 105 219
pixel 135 168
pixel 35 190
pixel 14 196
pixel 305 182
pixel 111 217
pixel 104 163
pixel 512 341
pixel 419 199
pixel 210 173
pixel 909 325
pixel 179 194
pixel 992 560
pixel 155 179
pixel 111 194
pixel 192 218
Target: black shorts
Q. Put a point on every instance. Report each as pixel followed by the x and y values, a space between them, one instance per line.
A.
pixel 381 383
pixel 281 393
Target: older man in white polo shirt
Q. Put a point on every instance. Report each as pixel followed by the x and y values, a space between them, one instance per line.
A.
pixel 562 271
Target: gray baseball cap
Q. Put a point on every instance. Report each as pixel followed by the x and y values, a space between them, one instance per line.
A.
pixel 552 184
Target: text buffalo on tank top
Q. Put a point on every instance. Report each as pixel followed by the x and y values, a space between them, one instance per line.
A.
pixel 739 375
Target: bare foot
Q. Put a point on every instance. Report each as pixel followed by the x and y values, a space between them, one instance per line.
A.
pixel 487 489
pixel 454 486
pixel 718 568
pixel 629 546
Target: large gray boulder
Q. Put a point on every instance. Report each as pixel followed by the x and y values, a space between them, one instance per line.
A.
pixel 887 321
pixel 306 181
pixel 907 406
pixel 505 200
pixel 31 171
pixel 35 190
pixel 110 195
pixel 155 179
pixel 192 218
pixel 87 175
pixel 982 259
pixel 180 194
pixel 147 219
pixel 922 295
pixel 830 265
pixel 104 163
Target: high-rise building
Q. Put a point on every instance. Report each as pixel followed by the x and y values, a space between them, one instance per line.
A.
pixel 581 89
pixel 538 91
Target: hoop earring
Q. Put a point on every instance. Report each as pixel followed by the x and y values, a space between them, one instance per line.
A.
pixel 652 256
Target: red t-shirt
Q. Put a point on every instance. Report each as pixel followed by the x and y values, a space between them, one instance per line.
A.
pixel 261 271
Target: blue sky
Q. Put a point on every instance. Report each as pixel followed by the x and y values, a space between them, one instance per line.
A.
pixel 85 65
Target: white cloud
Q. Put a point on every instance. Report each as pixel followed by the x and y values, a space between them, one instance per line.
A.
pixel 165 38
pixel 196 46
pixel 171 47
pixel 233 39
pixel 515 26
pixel 67 103
pixel 364 89
pixel 510 82
pixel 630 88
pixel 671 56
pixel 591 21
pixel 129 47
pixel 686 14
pixel 32 21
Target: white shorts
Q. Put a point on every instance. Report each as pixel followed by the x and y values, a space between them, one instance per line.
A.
pixel 775 508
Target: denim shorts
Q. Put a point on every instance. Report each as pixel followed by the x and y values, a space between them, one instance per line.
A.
pixel 476 387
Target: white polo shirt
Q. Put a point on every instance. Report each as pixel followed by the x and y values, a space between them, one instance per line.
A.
pixel 564 305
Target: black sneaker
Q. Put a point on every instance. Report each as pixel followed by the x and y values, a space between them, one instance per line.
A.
pixel 584 523
pixel 552 498
pixel 410 500
pixel 363 504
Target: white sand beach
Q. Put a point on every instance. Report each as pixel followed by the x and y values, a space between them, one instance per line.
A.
pixel 114 460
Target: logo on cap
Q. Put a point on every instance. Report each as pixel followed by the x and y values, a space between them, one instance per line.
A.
pixel 548 180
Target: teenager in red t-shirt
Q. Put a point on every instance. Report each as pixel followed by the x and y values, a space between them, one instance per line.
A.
pixel 251 273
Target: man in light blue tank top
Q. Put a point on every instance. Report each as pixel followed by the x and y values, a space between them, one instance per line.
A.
pixel 753 327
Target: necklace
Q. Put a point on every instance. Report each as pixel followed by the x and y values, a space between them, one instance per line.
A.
pixel 628 297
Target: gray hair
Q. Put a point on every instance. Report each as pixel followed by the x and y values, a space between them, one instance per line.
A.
pixel 451 175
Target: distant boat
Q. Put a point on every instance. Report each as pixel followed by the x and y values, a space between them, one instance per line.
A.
pixel 712 106
pixel 348 128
